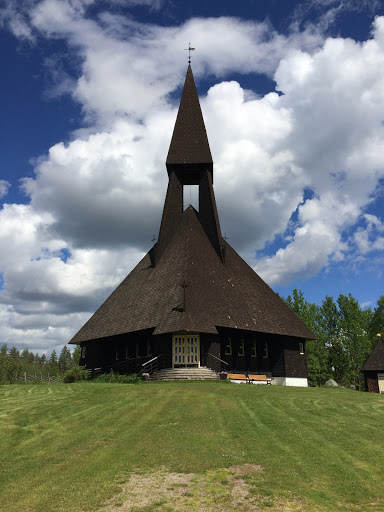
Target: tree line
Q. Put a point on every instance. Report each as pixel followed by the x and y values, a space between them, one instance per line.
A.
pixel 14 363
pixel 346 335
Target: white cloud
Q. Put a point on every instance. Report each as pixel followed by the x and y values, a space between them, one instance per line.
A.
pixel 4 187
pixel 336 99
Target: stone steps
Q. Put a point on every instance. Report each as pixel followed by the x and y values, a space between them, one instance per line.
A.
pixel 202 373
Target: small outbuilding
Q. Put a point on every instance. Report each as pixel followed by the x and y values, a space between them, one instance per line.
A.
pixel 374 369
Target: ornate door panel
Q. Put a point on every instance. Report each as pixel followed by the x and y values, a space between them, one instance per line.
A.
pixel 185 350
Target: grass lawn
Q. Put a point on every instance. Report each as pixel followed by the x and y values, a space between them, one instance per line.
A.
pixel 196 446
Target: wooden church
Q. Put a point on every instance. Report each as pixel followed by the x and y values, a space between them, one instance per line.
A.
pixel 192 301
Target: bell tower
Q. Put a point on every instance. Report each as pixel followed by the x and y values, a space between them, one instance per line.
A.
pixel 189 162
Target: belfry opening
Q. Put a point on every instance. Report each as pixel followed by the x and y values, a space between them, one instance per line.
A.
pixel 192 301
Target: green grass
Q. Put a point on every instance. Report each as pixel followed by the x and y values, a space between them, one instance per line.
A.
pixel 74 447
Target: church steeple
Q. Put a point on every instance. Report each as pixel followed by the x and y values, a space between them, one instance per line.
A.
pixel 189 154
pixel 189 162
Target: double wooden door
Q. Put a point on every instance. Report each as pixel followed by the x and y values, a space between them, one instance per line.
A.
pixel 185 350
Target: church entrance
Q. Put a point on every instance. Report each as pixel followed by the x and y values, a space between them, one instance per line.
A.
pixel 185 350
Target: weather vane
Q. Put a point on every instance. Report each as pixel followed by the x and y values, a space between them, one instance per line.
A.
pixel 189 52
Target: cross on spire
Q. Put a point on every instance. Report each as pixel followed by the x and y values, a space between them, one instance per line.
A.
pixel 189 49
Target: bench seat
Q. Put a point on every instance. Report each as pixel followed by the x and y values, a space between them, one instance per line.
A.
pixel 251 379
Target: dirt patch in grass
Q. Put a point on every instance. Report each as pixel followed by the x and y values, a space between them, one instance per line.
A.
pixel 219 490
pixel 246 469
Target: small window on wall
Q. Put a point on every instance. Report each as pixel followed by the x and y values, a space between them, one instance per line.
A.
pixel 117 355
pixel 265 353
pixel 301 348
pixel 83 350
pixel 228 347
pixel 253 349
pixel 241 349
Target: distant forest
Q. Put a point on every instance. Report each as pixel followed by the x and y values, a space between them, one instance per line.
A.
pixel 15 364
pixel 346 335
pixel 346 332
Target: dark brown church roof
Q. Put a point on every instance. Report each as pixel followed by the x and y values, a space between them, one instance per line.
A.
pixel 375 361
pixel 192 280
pixel 216 295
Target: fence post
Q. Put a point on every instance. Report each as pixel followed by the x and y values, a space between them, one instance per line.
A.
pixel 41 377
pixel 25 376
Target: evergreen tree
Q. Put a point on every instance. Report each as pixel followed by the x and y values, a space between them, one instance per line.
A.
pixel 53 362
pixel 76 354
pixel 25 354
pixel 65 359
pixel 3 357
pixel 14 353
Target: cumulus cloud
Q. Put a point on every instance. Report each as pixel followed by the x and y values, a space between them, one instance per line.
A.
pixel 96 201
pixel 4 187
pixel 336 98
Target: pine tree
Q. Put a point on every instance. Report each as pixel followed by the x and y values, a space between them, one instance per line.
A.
pixel 65 359
pixel 53 362
pixel 76 354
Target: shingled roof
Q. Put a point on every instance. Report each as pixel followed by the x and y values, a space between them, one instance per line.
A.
pixel 216 294
pixel 192 280
pixel 189 143
pixel 375 361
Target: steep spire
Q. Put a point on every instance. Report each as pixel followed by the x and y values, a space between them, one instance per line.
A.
pixel 189 162
pixel 189 151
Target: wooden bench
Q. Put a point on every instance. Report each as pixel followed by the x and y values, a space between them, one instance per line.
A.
pixel 250 378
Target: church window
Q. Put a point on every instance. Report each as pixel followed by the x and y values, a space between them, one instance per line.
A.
pixel 301 348
pixel 83 351
pixel 253 349
pixel 228 347
pixel 241 350
pixel 265 354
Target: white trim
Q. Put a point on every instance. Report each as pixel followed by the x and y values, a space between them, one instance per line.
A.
pixel 300 382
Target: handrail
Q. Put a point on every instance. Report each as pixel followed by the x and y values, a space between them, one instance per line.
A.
pixel 125 366
pixel 221 361
pixel 151 360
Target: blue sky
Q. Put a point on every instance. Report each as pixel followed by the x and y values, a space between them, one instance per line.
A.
pixel 292 96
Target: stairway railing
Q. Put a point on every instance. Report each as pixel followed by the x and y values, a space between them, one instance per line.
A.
pixel 152 365
pixel 210 360
pixel 126 367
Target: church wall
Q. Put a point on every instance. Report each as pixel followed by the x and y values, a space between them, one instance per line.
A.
pixel 295 363
pixel 210 344
pixel 276 353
